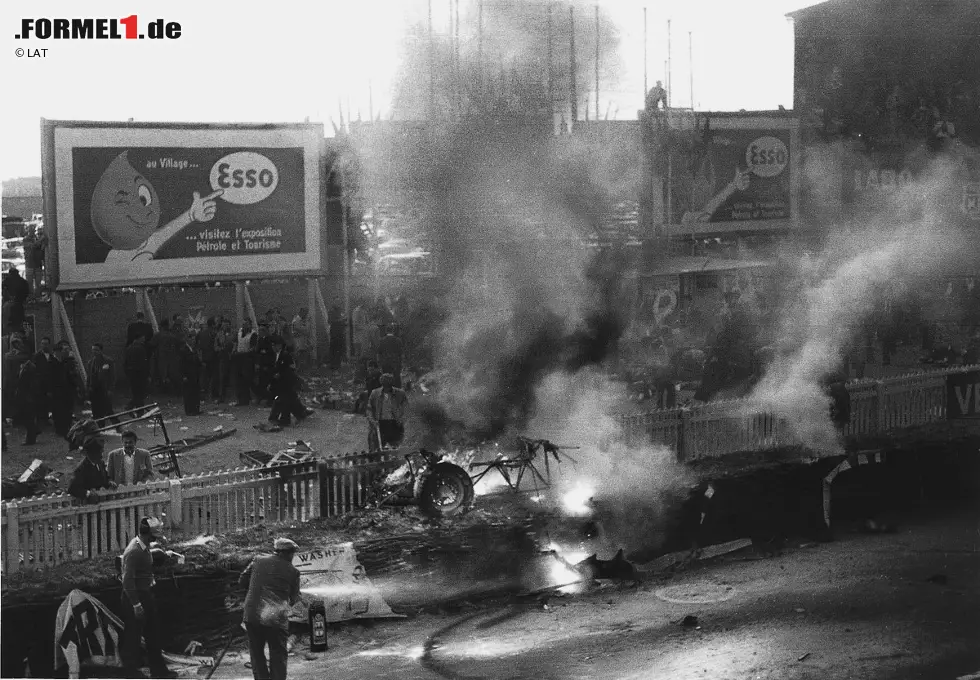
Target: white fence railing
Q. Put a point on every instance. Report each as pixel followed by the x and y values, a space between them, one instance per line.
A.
pixel 718 428
pixel 54 529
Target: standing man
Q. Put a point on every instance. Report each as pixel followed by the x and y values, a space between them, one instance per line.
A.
pixel 338 334
pixel 265 358
pixel 390 351
pixel 243 362
pixel 224 345
pixel 136 367
pixel 283 387
pixel 273 588
pixel 101 376
pixel 139 327
pixel 34 246
pixel 91 474
pixel 209 365
pixel 27 393
pixel 300 327
pixel 190 370
pixel 386 413
pixel 15 292
pixel 140 616
pixel 43 362
pixel 129 465
pixel 64 385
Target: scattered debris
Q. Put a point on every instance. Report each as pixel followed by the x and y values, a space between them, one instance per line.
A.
pixel 618 568
pixel 803 657
pixel 690 621
pixel 268 427
pixel 310 656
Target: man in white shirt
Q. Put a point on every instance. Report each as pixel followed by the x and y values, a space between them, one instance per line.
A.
pixel 386 414
pixel 129 465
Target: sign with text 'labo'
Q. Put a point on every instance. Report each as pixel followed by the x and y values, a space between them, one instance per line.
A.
pixel 144 204
pixel 963 395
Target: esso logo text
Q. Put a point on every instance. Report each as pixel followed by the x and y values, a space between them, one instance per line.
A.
pixel 245 177
pixel 767 156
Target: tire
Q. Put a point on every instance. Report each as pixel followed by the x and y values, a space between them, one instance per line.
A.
pixel 445 490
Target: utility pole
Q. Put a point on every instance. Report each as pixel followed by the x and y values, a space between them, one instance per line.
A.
pixel 670 92
pixel 690 58
pixel 646 61
pixel 432 69
pixel 551 85
pixel 573 95
pixel 597 37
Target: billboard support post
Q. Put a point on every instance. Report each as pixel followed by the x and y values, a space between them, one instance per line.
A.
pixel 148 309
pixel 65 329
pixel 321 305
pixel 311 304
pixel 249 307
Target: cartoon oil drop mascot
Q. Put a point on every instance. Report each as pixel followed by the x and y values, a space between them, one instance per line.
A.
pixel 126 213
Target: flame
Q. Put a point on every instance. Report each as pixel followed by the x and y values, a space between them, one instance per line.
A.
pixel 561 571
pixel 397 650
pixel 576 501
pixel 490 483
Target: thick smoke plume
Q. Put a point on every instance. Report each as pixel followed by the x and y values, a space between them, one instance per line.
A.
pixel 863 268
pixel 510 206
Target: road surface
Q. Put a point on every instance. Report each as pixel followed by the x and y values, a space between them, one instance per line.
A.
pixel 894 606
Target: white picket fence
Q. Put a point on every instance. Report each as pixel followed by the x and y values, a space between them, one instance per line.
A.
pixel 718 428
pixel 49 530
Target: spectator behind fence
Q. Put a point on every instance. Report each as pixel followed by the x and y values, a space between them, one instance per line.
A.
pixel 129 465
pixel 101 379
pixel 91 474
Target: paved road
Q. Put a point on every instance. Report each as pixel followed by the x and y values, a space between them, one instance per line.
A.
pixel 861 607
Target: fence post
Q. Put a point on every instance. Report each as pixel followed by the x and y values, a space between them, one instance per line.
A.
pixel 682 433
pixel 176 504
pixel 12 549
pixel 324 476
pixel 880 390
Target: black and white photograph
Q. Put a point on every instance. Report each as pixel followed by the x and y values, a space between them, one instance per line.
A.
pixel 479 339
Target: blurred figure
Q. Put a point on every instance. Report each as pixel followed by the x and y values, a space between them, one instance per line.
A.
pixel 300 328
pixel 209 366
pixel 101 378
pixel 657 96
pixel 243 362
pixel 190 371
pixel 265 358
pixel 139 327
pixel 386 414
pixel 15 293
pixel 390 352
pixel 224 345
pixel 64 385
pixel 282 387
pixel 27 392
pixel 135 368
pixel 34 249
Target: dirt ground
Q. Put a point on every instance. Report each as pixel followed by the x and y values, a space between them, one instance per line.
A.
pixel 893 606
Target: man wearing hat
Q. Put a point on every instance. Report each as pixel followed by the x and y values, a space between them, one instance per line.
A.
pixel 282 388
pixel 90 474
pixel 129 465
pixel 139 607
pixel 273 588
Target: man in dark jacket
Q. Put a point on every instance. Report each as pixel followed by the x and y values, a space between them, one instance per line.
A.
pixel 136 368
pixel 27 393
pixel 15 292
pixel 390 351
pixel 190 370
pixel 283 387
pixel 139 327
pixel 43 361
pixel 265 359
pixel 101 376
pixel 209 363
pixel 64 387
pixel 90 475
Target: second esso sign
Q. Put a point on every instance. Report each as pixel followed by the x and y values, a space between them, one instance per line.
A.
pixel 245 177
pixel 767 156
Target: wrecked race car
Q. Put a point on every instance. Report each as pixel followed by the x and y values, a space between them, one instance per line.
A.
pixel 438 487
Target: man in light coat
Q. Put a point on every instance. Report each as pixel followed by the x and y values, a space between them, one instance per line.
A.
pixel 129 465
pixel 386 414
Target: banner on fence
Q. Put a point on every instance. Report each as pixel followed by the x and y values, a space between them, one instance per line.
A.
pixel 86 632
pixel 963 395
pixel 333 574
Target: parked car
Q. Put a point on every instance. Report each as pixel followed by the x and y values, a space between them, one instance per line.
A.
pixel 14 227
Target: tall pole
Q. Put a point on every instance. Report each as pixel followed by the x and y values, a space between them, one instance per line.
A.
pixel 459 69
pixel 479 45
pixel 690 59
pixel 645 60
pixel 597 63
pixel 573 93
pixel 551 85
pixel 432 69
pixel 670 92
pixel 370 100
